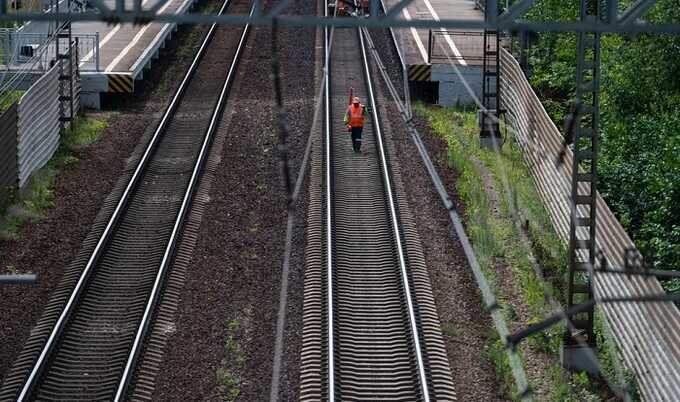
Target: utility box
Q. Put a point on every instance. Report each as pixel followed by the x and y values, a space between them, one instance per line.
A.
pixel 576 357
pixel 26 52
pixel 490 131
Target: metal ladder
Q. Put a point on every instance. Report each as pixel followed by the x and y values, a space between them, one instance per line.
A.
pixel 582 246
pixel 491 88
pixel 64 31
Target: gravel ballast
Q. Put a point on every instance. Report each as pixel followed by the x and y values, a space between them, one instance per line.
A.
pixel 48 245
pixel 224 344
pixel 223 339
pixel 466 326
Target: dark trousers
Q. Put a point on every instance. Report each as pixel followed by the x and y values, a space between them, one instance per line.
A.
pixel 356 138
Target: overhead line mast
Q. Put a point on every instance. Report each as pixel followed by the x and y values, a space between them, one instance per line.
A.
pixel 582 228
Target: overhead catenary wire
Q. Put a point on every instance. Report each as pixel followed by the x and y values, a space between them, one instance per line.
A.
pixel 148 15
pixel 490 301
pixel 590 355
pixel 121 206
pixel 523 235
pixel 292 197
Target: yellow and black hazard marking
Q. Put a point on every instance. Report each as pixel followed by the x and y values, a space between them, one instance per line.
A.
pixel 121 83
pixel 420 72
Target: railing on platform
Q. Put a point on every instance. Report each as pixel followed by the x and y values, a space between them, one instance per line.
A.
pixel 21 51
pixel 469 46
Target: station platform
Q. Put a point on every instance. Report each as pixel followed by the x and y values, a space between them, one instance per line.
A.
pixel 113 56
pixel 436 59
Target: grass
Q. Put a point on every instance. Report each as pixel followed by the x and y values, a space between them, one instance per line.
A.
pixel 27 6
pixel 228 380
pixel 495 350
pixel 495 236
pixel 8 98
pixel 450 331
pixel 87 131
pixel 29 203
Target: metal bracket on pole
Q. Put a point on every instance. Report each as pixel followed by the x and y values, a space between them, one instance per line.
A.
pixel 491 83
pixel 582 245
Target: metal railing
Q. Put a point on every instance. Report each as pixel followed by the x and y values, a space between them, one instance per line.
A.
pixel 35 51
pixel 469 44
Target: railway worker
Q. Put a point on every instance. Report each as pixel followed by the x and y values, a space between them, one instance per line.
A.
pixel 354 118
pixel 364 7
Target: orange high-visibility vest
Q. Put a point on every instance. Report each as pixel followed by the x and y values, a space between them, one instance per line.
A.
pixel 356 115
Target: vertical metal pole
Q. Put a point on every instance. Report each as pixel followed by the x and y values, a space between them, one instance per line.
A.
pixel 70 65
pixel 485 90
pixel 430 37
pixel 96 51
pixel 612 11
pixel 583 221
pixel 491 10
pixel 77 58
pixel 60 68
pixel 498 78
pixel 489 122
pixel 524 52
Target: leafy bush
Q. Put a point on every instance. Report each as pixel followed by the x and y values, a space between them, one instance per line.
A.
pixel 639 161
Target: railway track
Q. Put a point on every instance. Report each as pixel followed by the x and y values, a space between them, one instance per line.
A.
pixel 371 330
pixel 91 336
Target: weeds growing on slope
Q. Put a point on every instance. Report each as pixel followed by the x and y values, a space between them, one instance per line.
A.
pixel 492 230
pixel 30 203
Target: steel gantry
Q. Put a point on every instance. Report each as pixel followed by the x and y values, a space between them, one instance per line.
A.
pixel 627 21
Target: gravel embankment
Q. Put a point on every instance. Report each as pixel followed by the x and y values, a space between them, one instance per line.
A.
pixel 465 324
pixel 47 246
pixel 224 344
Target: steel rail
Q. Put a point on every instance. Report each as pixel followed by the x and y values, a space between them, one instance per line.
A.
pixel 179 222
pixel 413 326
pixel 329 214
pixel 395 222
pixel 117 213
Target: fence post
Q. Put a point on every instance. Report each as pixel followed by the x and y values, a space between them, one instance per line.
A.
pixel 429 46
pixel 524 52
pixel 96 51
